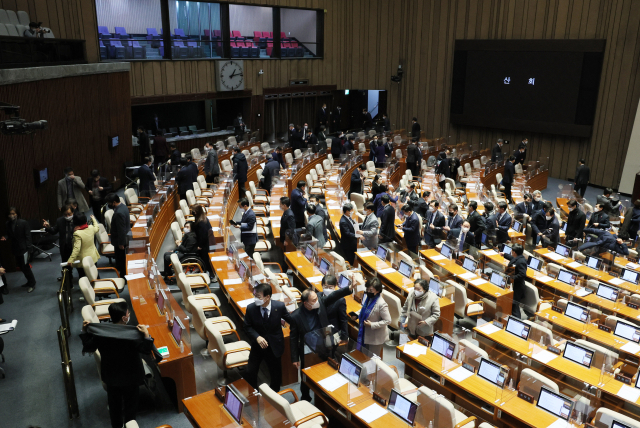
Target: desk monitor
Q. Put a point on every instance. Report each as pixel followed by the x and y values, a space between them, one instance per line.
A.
pixel 446 251
pixel 567 277
pixel 498 279
pixel 443 346
pixel 517 226
pixel 616 424
pixel 483 238
pixel 382 252
pixel 564 226
pixel 242 270
pixel 470 264
pixel 324 266
pixel 343 282
pixel 506 249
pixel 518 328
pixel 492 372
pixel 402 407
pixel 630 276
pixel 161 298
pixel 577 312
pixel 554 403
pixel 534 263
pixel 594 262
pixel 638 382
pixel 309 252
pixel 627 331
pixel 176 330
pixel 563 250
pixel 350 369
pixel 230 250
pixel 405 269
pixel 434 286
pixel 608 292
pixel 578 354
pixel 233 404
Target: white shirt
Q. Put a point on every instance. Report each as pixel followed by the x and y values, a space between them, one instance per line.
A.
pixel 268 308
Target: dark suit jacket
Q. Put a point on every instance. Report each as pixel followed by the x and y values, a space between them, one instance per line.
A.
pixel 608 206
pixel 413 154
pixel 211 166
pixel 582 174
pixel 241 167
pixel 120 225
pixel 469 238
pixel 146 179
pixel 320 211
pixel 606 241
pixel 311 140
pixel 295 138
pixel 336 148
pixel 202 229
pixel 454 222
pixel 502 233
pixel 298 204
pixel 299 326
pixel 415 130
pixel 323 115
pixel 176 157
pixel 20 237
pixel 380 154
pixel 509 173
pixel 64 229
pixel 143 141
pixel 386 124
pixel 538 222
pixel 271 331
pixel 271 169
pixel 247 225
pixel 524 208
pixel 356 182
pixel 321 145
pixel 438 223
pixel 476 225
pixel 337 314
pixel 520 264
pixel 411 230
pixel 387 230
pixel 287 222
pixel 279 158
pixel 575 224
pixel 160 147
pixel 347 146
pixel 103 182
pixel 349 240
pixel 335 119
pixel 420 207
pixel 496 153
pixel 444 167
pixel 185 178
pixel 367 121
pixel 239 125
pixel 602 218
pixel 519 157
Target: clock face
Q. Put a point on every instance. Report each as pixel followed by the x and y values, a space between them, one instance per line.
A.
pixel 231 75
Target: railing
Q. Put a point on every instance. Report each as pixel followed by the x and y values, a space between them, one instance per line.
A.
pixel 30 52
pixel 65 305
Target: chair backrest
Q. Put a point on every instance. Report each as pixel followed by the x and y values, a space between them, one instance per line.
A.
pixel 184 207
pixel 278 402
pixel 327 164
pixel 103 236
pixel 297 153
pixel 202 183
pixel 460 171
pixel 362 148
pixel 258 259
pixel 386 379
pixel 87 290
pixel 395 308
pixel 319 169
pixel 12 30
pixel 476 164
pixel 467 169
pixel 398 154
pixel 175 230
pixel 359 200
pixel 605 417
pixel 611 321
pixel 246 153
pixel 446 413
pixel 498 178
pixel 13 18
pixel 180 218
pixel 90 268
pixel 252 188
pixel 371 166
pixel 460 297
pixel 472 350
pixel 216 346
pixel 427 405
pixel 340 264
pixel 531 297
pixel 531 382
pixel 130 196
pixel 88 314
pixel 539 332
pixel 3 28
pixel 288 158
pixel 518 168
pixel 226 165
pixel 425 273
pixel 23 17
pixel 191 197
pixel 483 159
pixel 330 158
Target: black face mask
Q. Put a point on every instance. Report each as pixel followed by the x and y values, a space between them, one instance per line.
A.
pixel 371 295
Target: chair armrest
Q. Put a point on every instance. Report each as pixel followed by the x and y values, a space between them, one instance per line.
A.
pixel 274 264
pixel 110 268
pixel 144 197
pixel 224 357
pixel 617 365
pixel 262 192
pixel 544 302
pixel 204 280
pixel 480 312
pixel 190 264
pixel 312 416
pixel 115 287
pixel 212 307
pixel 466 421
pixel 295 396
pixel 107 242
pixel 229 331
pixel 101 303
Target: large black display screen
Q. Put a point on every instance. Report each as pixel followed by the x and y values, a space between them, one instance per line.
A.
pixel 546 86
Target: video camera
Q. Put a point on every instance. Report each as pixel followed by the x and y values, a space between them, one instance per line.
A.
pixel 16 125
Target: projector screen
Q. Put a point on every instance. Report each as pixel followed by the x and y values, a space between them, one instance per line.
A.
pixel 548 86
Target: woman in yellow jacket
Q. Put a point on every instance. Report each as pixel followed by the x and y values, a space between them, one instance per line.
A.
pixel 83 240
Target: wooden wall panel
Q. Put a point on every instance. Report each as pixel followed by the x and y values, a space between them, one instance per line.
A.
pixel 83 112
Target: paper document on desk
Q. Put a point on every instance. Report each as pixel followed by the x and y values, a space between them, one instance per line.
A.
pixel 574 265
pixel 387 271
pixel 467 276
pixel 477 282
pixel 490 253
pixel 630 347
pixel 137 264
pixel 460 374
pixel 415 349
pixel 581 292
pixel 219 258
pixel 245 303
pixel 232 281
pixel 616 281
pixel 9 326
pixel 371 413
pixel 365 254
pixel 436 258
pixel 632 265
pixel 554 256
pixel 134 276
pixel 333 207
pixel 544 278
pixel 488 328
pixel 560 423
pixel 629 393
pixel 315 279
pixel 333 382
pixel 544 356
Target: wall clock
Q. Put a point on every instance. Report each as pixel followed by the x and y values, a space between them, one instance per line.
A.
pixel 230 75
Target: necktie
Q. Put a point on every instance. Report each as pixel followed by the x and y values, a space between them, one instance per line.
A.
pixel 265 314
pixel 461 242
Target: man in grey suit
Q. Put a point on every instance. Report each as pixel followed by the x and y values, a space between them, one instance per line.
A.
pixel 369 228
pixel 211 167
pixel 70 187
pixel 120 228
pixel 322 212
pixel 315 225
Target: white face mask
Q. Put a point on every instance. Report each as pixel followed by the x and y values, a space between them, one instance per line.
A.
pixel 316 305
pixel 465 229
pixel 69 218
pixel 418 293
pixel 549 217
pixel 537 199
pixel 327 291
pixel 187 229
pixel 432 209
pixel 571 209
pixel 258 302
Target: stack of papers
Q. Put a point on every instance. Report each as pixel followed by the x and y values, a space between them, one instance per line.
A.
pixel 460 374
pixel 9 327
pixel 488 328
pixel 629 393
pixel 371 413
pixel 477 281
pixel 574 265
pixel 333 382
pixel 467 275
pixel 631 348
pixel 365 254
pixel 219 259
pixel 387 271
pixel 137 264
pixel 415 349
pixel 581 292
pixel 559 423
pixel 436 258
pixel 245 303
pixel 544 278
pixel 544 356
pixel 134 276
pixel 632 265
pixel 490 253
pixel 554 256
pixel 213 217
pixel 616 281
pixel 315 279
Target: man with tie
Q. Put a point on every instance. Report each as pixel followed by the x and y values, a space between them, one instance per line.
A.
pixel 507 179
pixel 248 229
pixel 455 220
pixel 311 141
pixel 279 156
pixel 288 219
pixel 575 221
pixel 582 178
pixel 496 152
pixel 348 229
pixel 526 207
pixel 295 137
pixel 421 207
pixel 387 220
pixel 299 202
pixel 519 155
pixel 434 225
pixel 465 238
pixel 475 221
pixel 411 229
pixel 357 180
pixel 322 117
pixel 503 223
pixel 262 323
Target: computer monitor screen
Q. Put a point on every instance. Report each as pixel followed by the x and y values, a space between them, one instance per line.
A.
pixel 483 238
pixel 242 270
pixel 594 262
pixel 607 292
pixel 470 264
pixel 115 141
pixel 564 226
pixel 638 382
pixel 350 369
pixel 344 281
pixel 405 269
pixel 506 249
pixel 577 312
pixel 567 277
pixel 434 286
pixel 498 279
pixel 443 346
pixel 492 372
pixel 563 250
pixel 578 354
pixel 616 424
pixel 308 253
pixel 381 252
pixel 554 403
pixel 534 263
pixel 176 330
pixel 324 266
pixel 446 251
pixel 517 226
pixel 402 407
pixel 518 328
pixel 630 276
pixel 628 331
pixel 233 404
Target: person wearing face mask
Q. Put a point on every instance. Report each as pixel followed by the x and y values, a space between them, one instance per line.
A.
pixel 380 154
pixel 609 205
pixel 604 242
pixel 503 222
pixel 19 233
pixel 477 225
pixel 83 241
pixel 496 152
pixel 411 229
pixel 434 225
pixel 454 221
pixel 538 202
pixel 312 315
pixel 420 206
pixel 369 227
pixel 63 228
pixel 71 186
pixel 187 245
pixel 299 202
pixel 121 368
pixel 324 215
pixel 357 180
pixel 336 146
pixel 211 167
pixel 374 318
pixel 539 222
pixel 519 263
pixel 581 181
pixel 315 225
pixel 187 175
pixel 507 179
pixel 295 137
pixel 248 227
pixel 551 235
pixel 120 228
pixel 176 157
pixel 98 188
pixel 519 156
pixel 271 170
pixel 421 310
pixel 599 219
pixel 348 229
pixel 525 208
pixel 575 222
pixel 238 123
pixel 262 323
pixel 465 238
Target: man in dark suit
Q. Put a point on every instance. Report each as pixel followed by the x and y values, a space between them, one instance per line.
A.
pixel 526 207
pixel 288 219
pixel 357 180
pixel 336 117
pixel 507 178
pixel 147 177
pixel 387 230
pixel 157 126
pixel 551 236
pixel 433 225
pixel 241 167
pixel 295 137
pixel 454 221
pixel 465 238
pixel 367 121
pixel 605 242
pixel 415 129
pixel 523 145
pixel 476 222
pixel 19 233
pixel 322 212
pixel 311 141
pixel 539 222
pixel 411 229
pixel 186 176
pixel 610 206
pixel 519 156
pixel 496 152
pixel 599 219
pixel 248 229
pixel 143 142
pixel 64 229
pixel 349 239
pixel 575 221
pixel 121 368
pixel 386 123
pixel 279 156
pixel 583 174
pixel 299 202
pixel 519 263
pixel 313 315
pixel 420 206
pixel 238 123
pixel 321 146
pixel 323 117
pixel 414 158
pixel 336 146
pixel 443 170
pixel 160 150
pixel 98 189
pixel 348 145
pixel 503 223
pixel 175 158
pixel 211 166
pixel 262 323
pixel 120 228
pixel 271 170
